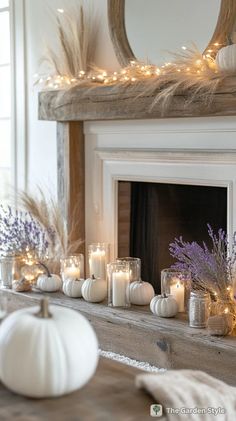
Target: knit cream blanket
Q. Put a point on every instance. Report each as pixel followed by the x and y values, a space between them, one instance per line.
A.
pixel 190 395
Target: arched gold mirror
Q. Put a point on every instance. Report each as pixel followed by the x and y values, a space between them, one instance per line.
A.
pixel 146 29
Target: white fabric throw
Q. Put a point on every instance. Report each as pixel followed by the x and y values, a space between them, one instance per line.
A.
pixel 190 390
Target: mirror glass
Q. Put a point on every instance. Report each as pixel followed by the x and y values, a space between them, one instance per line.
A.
pixel 155 27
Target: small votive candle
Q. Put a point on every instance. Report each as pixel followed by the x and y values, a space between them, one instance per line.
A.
pixel 72 267
pixel 98 259
pixel 176 283
pixel 118 284
pixel 134 267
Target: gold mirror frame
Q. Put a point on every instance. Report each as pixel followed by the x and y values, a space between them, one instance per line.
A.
pixel 116 20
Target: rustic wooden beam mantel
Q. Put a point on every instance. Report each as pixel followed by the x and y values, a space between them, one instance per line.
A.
pixel 129 102
pixel 138 334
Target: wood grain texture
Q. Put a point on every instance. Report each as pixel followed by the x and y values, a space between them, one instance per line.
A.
pixel 71 176
pixel 117 29
pixel 120 103
pixel 124 209
pixel 135 332
pixel 110 395
pixel 225 26
pixel 116 18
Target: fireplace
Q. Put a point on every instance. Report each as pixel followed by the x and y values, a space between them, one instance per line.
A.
pixel 151 215
pixel 185 160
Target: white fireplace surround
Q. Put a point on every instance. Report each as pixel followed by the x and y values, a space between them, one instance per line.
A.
pixel 179 151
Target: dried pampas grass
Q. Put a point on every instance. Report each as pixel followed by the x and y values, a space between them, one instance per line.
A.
pixel 77 40
pixel 47 212
pixel 192 75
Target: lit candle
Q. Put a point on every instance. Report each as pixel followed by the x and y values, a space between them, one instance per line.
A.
pixel 97 263
pixel 120 286
pixel 72 272
pixel 177 290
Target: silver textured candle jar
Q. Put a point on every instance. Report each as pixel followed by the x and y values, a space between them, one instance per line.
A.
pixel 199 309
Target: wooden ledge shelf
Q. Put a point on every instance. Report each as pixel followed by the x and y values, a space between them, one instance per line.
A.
pixel 136 333
pixel 129 102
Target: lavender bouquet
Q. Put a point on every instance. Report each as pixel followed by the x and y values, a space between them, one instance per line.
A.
pixel 20 232
pixel 211 269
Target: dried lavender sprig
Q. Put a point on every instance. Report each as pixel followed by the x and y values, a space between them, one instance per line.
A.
pixel 19 231
pixel 211 269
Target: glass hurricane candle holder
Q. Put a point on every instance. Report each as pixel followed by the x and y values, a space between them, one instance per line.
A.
pixel 177 283
pixel 98 254
pixel 118 284
pixel 134 267
pixel 72 267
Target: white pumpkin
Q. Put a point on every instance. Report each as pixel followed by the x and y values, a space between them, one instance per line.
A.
pixel 72 288
pixel 141 293
pixel 226 58
pixel 164 305
pixel 51 283
pixel 94 290
pixel 45 355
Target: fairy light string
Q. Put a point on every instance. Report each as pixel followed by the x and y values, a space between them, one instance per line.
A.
pixel 191 63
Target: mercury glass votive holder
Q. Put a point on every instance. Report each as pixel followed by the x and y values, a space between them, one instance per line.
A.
pixel 10 270
pixel 72 267
pixel 177 283
pixel 199 309
pixel 118 284
pixel 98 255
pixel 134 267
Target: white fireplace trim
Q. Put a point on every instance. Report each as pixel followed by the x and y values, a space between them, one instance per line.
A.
pixel 209 168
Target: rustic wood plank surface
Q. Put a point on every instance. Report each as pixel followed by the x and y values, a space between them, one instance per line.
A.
pixel 120 102
pixel 109 396
pixel 136 333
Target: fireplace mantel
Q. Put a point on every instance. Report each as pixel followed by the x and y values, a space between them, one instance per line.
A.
pixel 129 102
pixel 72 107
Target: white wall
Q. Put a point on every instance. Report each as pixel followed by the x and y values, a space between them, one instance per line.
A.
pixel 40 29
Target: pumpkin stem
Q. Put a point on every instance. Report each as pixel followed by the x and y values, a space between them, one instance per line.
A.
pixel 93 277
pixel 164 295
pixel 44 311
pixel 46 269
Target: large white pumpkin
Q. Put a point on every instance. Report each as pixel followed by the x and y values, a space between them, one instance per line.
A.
pixel 141 293
pixel 164 305
pixel 47 357
pixel 94 290
pixel 226 58
pixel 51 283
pixel 73 288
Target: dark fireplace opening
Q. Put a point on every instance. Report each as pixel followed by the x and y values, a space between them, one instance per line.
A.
pixel 151 215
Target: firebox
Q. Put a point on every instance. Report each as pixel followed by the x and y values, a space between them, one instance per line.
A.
pixel 151 215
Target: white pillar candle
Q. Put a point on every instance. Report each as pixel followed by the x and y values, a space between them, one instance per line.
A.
pixel 71 272
pixel 120 286
pixel 97 264
pixel 177 290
